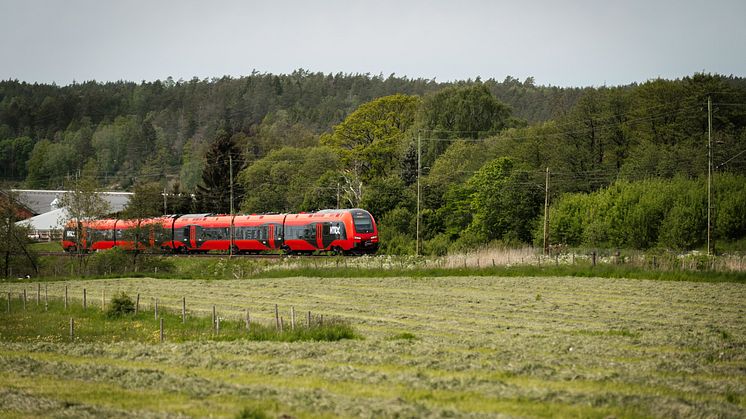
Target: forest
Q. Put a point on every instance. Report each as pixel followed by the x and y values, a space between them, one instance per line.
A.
pixel 624 166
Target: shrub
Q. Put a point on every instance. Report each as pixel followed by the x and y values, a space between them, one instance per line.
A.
pixel 121 305
pixel 437 246
pixel 251 413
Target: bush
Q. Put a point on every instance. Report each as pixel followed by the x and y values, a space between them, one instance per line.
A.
pixel 251 413
pixel 121 305
pixel 120 261
pixel 437 246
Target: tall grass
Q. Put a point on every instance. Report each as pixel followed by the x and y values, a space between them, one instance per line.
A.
pixel 486 261
pixel 52 324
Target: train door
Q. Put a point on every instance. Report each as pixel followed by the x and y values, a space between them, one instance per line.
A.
pixel 200 238
pixel 192 237
pixel 271 234
pixel 320 235
pixel 331 232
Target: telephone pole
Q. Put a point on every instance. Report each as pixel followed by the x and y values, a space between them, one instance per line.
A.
pixel 709 176
pixel 417 244
pixel 230 170
pixel 546 215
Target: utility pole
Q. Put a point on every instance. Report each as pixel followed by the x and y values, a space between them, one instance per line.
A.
pixel 709 175
pixel 546 215
pixel 417 245
pixel 230 170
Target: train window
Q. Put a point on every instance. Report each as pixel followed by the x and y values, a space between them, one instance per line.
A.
pixel 306 232
pixel 363 222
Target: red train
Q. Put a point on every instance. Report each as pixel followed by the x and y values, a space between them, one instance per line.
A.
pixel 346 231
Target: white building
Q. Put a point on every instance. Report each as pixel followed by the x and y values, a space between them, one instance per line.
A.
pixel 49 220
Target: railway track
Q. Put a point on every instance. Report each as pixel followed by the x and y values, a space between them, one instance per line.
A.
pixel 198 255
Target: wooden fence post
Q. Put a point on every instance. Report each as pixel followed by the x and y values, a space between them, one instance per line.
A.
pixel 46 298
pixel 277 317
pixel 161 329
pixel 308 319
pixel 24 298
pixel 593 258
pixel 248 320
pixel 137 304
pixel 217 325
pixel 72 328
pixel 65 297
pixel 321 320
pixel 281 324
pixel 156 309
pixel 38 293
pixel 214 318
pixel 84 299
pixel 183 309
pixel 292 317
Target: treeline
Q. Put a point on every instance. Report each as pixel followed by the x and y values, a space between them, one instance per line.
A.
pixel 482 151
pixel 483 171
pixel 654 213
pixel 161 129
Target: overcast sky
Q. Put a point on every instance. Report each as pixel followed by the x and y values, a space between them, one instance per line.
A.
pixel 565 43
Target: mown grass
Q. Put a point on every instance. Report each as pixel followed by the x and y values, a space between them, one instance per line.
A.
pixel 436 347
pixel 599 271
pixel 52 324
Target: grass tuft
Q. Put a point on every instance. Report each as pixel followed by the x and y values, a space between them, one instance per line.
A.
pixel 403 336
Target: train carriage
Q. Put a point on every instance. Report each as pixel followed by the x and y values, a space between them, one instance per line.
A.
pixel 258 233
pixel 348 231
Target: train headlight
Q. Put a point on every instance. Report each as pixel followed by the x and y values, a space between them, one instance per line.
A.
pixel 357 238
pixel 373 237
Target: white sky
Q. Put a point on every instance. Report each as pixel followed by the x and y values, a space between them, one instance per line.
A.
pixel 565 43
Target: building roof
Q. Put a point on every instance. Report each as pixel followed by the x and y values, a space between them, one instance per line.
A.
pixel 40 201
pixel 52 220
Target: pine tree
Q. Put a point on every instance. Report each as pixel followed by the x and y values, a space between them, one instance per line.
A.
pixel 213 194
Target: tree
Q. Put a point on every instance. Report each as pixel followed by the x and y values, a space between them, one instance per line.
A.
pixel 505 201
pixel 83 202
pixel 291 179
pixel 371 139
pixel 146 202
pixel 13 238
pixel 214 193
pixel 459 112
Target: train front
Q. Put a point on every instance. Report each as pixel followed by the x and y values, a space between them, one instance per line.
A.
pixel 366 232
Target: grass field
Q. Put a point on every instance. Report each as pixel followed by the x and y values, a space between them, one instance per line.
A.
pixel 447 346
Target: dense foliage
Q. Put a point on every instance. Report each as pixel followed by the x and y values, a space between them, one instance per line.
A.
pixel 652 213
pixel 480 151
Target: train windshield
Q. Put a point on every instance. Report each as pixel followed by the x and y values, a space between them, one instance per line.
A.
pixel 363 222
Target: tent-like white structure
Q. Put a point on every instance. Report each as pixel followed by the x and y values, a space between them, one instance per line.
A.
pixel 47 226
